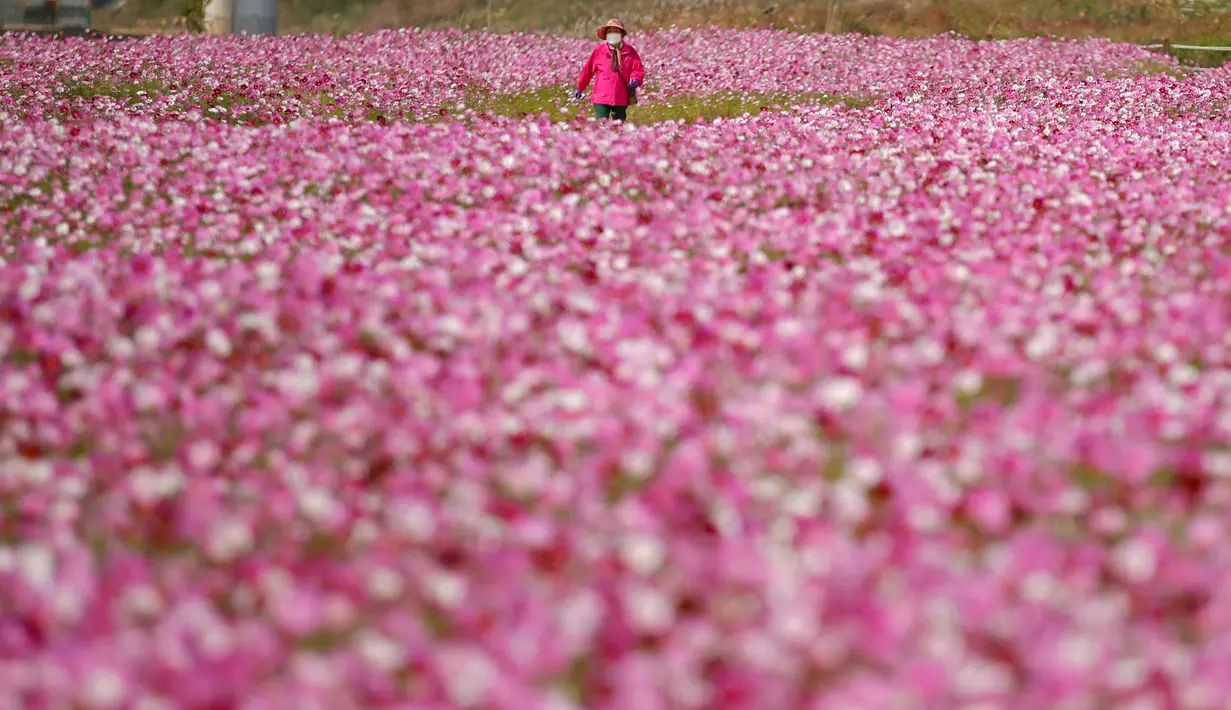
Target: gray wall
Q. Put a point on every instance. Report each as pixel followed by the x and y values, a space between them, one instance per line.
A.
pixel 71 13
pixel 255 17
pixel 10 12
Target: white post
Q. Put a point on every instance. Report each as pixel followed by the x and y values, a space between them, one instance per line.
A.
pixel 831 17
pixel 218 16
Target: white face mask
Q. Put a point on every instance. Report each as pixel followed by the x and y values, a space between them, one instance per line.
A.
pixel 614 38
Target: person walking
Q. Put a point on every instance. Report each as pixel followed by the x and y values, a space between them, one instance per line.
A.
pixel 617 72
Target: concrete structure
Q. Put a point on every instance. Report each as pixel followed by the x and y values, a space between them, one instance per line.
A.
pixel 11 12
pixel 256 17
pixel 223 17
pixel 68 14
pixel 73 13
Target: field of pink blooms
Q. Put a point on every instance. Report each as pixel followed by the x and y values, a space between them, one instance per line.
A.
pixel 918 405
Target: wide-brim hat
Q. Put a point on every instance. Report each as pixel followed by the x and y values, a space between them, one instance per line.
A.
pixel 612 24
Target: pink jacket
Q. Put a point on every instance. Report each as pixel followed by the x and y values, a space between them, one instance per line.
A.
pixel 610 88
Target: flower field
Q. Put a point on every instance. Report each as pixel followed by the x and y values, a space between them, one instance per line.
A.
pixel 328 382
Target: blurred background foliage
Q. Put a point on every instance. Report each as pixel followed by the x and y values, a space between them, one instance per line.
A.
pixel 1203 22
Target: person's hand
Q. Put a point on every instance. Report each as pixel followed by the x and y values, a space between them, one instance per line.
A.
pixel 577 94
pixel 632 85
